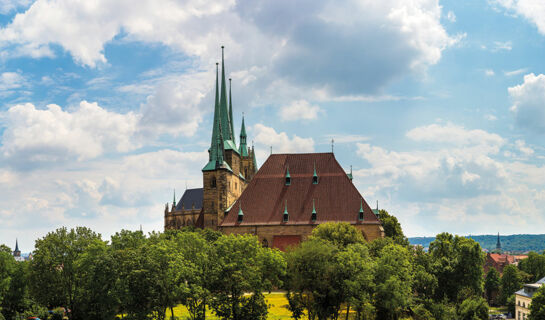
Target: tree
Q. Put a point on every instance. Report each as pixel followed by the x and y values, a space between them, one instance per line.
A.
pixel 54 275
pixel 15 298
pixel 534 265
pixel 392 228
pixel 473 308
pixel 393 278
pixel 313 280
pixel 510 282
pixel 492 284
pixel 340 234
pixel 7 267
pixel 458 266
pixel 537 307
pixel 242 265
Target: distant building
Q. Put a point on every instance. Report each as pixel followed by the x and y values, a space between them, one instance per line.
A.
pixel 17 252
pixel 523 299
pixel 500 261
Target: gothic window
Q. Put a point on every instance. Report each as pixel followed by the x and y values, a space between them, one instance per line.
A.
pixel 213 182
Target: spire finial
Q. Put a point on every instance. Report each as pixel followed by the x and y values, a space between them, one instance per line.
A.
pixel 271 149
pixel 332 144
pixel 377 205
pixel 174 199
pixel 360 217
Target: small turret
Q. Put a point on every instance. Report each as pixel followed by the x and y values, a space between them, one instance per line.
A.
pixel 314 176
pixel 288 177
pixel 360 216
pixel 174 200
pixel 313 214
pixel 286 216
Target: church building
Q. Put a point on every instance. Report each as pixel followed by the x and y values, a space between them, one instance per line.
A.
pixel 281 202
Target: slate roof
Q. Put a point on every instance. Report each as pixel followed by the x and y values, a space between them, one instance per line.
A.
pixel 189 197
pixel 530 289
pixel 335 197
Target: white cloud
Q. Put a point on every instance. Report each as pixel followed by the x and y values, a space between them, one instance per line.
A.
pixel 458 136
pixel 10 81
pixel 53 135
pixel 280 141
pixel 490 117
pixel 515 72
pixel 522 147
pixel 489 72
pixel 177 105
pixel 505 46
pixel 532 10
pixel 451 16
pixel 261 48
pixel 529 102
pixel 299 110
pixel 7 6
pixel 457 187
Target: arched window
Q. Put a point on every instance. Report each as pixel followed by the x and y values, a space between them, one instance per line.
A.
pixel 213 182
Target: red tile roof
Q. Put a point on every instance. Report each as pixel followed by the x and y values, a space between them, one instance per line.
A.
pixel 335 196
pixel 502 258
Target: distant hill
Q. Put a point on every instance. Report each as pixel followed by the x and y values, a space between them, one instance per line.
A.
pixel 516 243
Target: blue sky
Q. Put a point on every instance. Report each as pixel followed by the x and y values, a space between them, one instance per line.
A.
pixel 439 106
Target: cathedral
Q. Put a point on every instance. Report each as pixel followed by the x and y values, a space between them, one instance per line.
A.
pixel 281 202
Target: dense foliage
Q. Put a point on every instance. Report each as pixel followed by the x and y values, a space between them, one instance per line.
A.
pixel 334 273
pixel 537 307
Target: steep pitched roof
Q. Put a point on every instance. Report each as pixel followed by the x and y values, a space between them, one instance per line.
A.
pixel 502 258
pixel 190 197
pixel 335 197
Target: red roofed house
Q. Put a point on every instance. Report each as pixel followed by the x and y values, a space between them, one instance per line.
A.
pixel 281 203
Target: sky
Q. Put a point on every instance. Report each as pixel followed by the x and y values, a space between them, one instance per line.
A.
pixel 438 106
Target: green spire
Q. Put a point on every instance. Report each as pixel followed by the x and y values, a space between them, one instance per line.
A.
pixel 350 174
pixel 313 207
pixel 216 145
pixel 225 122
pixel 288 177
pixel 253 157
pixel 232 127
pixel 286 215
pixel 314 176
pixel 243 149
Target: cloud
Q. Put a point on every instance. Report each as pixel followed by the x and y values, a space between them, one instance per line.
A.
pixel 177 105
pixel 342 40
pixel 457 136
pixel 522 147
pixel 529 103
pixel 299 110
pixel 490 117
pixel 10 81
pixel 38 136
pixel 532 10
pixel 499 46
pixel 6 6
pixel 515 72
pixel 280 141
pixel 489 72
pixel 451 16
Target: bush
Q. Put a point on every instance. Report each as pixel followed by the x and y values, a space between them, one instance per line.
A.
pixel 474 308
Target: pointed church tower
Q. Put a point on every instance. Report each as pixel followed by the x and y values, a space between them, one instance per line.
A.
pixel 498 243
pixel 223 176
pixel 16 252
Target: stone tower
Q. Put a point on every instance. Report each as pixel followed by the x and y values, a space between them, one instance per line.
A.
pixel 228 171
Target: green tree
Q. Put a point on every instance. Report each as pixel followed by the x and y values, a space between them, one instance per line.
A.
pixel 242 265
pixel 492 284
pixel 458 266
pixel 537 307
pixel 340 234
pixel 7 267
pixel 534 265
pixel 313 280
pixel 510 282
pixel 15 298
pixel 392 228
pixel 356 271
pixel 393 278
pixel 473 308
pixel 97 277
pixel 54 275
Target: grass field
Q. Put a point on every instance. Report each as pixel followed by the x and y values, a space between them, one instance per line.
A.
pixel 277 308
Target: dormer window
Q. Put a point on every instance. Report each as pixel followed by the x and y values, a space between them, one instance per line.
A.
pixel 288 177
pixel 313 215
pixel 360 214
pixel 314 176
pixel 286 216
pixel 240 215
